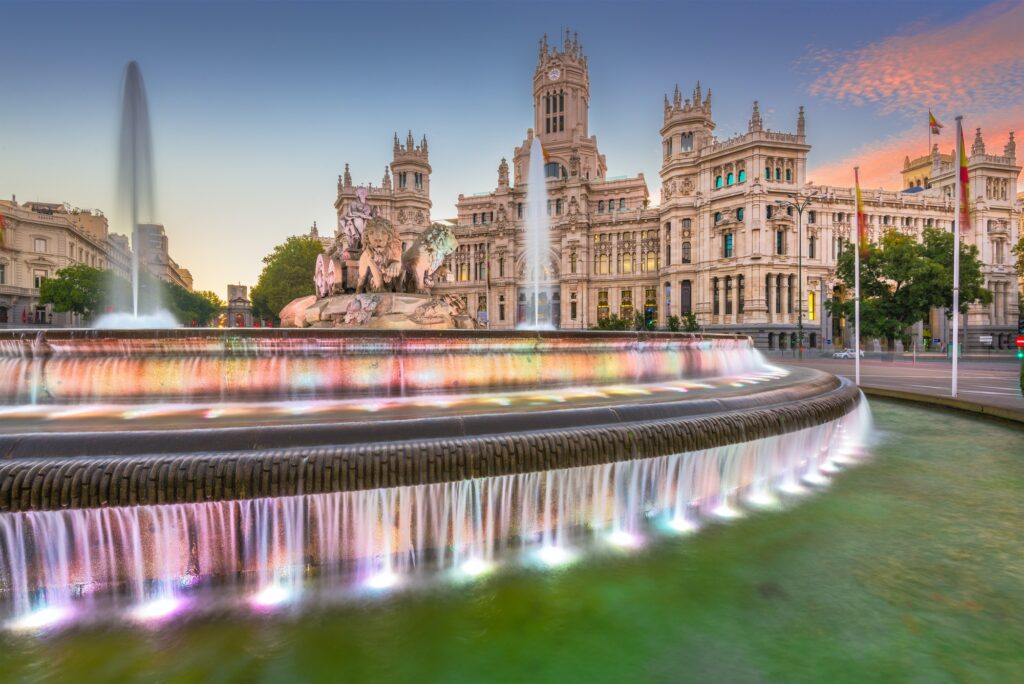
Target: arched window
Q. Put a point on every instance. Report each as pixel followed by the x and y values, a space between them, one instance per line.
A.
pixel 727 246
pixel 603 269
pixel 739 294
pixel 686 252
pixel 600 206
pixel 771 340
pixel 778 293
pixel 767 291
pixel 728 295
pixel 789 293
pixel 652 261
pixel 767 176
pixel 626 265
pixel 730 179
pixel 552 170
pixel 714 296
pixel 789 175
pixel 718 181
pixel 743 176
pixel 685 297
pixel 739 214
pixel 718 216
pixel 778 173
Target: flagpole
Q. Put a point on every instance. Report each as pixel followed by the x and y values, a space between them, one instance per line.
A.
pixel 958 212
pixel 856 279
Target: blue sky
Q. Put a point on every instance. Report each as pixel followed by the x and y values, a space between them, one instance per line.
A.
pixel 256 106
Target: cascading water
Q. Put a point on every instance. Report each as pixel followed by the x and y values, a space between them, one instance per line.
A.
pixel 156 559
pixel 537 234
pixel 135 195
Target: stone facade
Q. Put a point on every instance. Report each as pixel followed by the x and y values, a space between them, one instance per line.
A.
pixel 718 245
pixel 154 255
pixel 37 240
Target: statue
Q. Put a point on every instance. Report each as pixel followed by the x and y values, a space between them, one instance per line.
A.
pixel 381 260
pixel 423 259
pixel 351 226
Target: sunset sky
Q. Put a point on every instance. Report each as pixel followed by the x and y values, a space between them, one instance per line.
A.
pixel 256 106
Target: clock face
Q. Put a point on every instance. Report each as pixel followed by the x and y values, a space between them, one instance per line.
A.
pixel 555 74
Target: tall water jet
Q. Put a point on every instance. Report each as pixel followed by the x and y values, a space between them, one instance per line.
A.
pixel 135 171
pixel 135 196
pixel 538 231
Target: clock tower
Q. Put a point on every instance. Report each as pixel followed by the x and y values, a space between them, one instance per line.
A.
pixel 561 101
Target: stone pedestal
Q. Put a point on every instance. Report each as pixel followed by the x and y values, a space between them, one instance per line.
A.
pixel 376 311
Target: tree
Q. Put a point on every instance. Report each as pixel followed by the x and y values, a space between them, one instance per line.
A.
pixel 211 297
pixel 901 280
pixel 79 288
pixel 673 323
pixel 190 308
pixel 690 323
pixel 1018 251
pixel 288 274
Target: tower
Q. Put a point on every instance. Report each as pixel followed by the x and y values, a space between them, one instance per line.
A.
pixel 688 124
pixel 561 92
pixel 410 170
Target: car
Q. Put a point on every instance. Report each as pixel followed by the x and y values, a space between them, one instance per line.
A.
pixel 846 354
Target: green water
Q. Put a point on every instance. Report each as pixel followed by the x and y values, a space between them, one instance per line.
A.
pixel 910 569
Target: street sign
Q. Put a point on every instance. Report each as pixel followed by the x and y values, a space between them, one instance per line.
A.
pixel 985 339
pixel 1020 340
pixel 935 340
pixel 828 341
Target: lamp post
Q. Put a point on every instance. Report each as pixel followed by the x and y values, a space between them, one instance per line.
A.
pixel 799 204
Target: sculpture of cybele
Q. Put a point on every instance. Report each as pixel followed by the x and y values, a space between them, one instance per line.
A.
pixel 364 280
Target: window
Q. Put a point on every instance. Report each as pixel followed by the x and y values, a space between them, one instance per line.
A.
pixel 739 294
pixel 549 207
pixel 685 297
pixel 552 170
pixel 810 306
pixel 558 207
pixel 789 175
pixel 686 224
pixel 778 294
pixel 811 217
pixel 739 214
pixel 40 244
pixel 519 210
pixel 686 252
pixel 572 263
pixel 811 241
pixel 474 219
pixel 622 204
pixel 3 274
pixel 789 211
pixel 668 147
pixel 604 263
pixel 728 295
pixel 626 304
pixel 38 276
pixel 768 292
pixel 718 181
pixel 780 242
pixel 652 261
pixel 602 305
pixel 789 293
pixel 418 180
pixel 600 206
pixel 686 142
pixel 767 173
pixel 768 211
pixel 778 173
pixel 481 305
pixel 625 263
pixel 714 296
pixel 718 217
pixel 501 306
pixel 727 246
pixel 650 306
pixel 572 305
pixel 743 176
pixel 402 180
pixel 501 268
pixel 730 179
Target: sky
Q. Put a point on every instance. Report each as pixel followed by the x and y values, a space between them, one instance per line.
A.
pixel 257 106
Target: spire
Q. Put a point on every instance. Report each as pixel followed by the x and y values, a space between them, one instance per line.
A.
pixel 756 124
pixel 979 145
pixel 409 144
pixel 1011 148
pixel 677 98
pixel 347 177
pixel 707 103
pixel 696 95
pixel 801 123
pixel 423 143
pixel 397 146
pixel 576 49
pixel 386 183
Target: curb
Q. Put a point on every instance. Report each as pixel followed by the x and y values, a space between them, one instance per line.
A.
pixel 947 402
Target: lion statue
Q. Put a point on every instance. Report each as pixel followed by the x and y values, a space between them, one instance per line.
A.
pixel 381 260
pixel 425 256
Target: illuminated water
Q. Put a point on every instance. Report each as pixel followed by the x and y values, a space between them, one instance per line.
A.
pixel 150 562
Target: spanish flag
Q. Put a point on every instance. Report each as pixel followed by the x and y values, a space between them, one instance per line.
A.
pixel 965 193
pixel 862 220
pixel 933 123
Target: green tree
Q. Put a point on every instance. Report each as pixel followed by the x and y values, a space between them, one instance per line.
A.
pixel 190 308
pixel 674 323
pixel 690 323
pixel 211 296
pixel 1018 251
pixel 902 279
pixel 79 288
pixel 287 274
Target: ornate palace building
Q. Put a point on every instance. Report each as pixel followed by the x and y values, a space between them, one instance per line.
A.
pixel 719 245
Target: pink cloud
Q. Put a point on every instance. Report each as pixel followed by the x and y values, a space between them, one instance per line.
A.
pixel 880 162
pixel 978 60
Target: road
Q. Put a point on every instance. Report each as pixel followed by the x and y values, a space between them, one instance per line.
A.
pixel 995 382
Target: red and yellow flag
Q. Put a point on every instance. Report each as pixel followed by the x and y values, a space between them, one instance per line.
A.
pixel 862 220
pixel 965 193
pixel 933 123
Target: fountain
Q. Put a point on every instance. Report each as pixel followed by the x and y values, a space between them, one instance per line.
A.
pixel 135 191
pixel 537 233
pixel 154 473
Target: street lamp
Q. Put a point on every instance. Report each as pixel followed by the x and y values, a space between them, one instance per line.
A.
pixel 799 204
